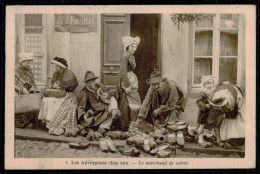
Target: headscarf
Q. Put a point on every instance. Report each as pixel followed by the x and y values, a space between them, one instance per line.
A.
pixel 128 40
pixel 205 79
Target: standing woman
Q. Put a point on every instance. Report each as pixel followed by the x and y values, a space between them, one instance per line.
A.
pixel 60 113
pixel 127 89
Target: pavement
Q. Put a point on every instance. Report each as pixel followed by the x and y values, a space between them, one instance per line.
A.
pixel 189 147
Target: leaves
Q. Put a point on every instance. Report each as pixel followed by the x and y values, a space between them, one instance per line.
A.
pixel 186 18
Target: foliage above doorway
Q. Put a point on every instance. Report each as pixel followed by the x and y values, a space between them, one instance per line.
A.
pixel 186 18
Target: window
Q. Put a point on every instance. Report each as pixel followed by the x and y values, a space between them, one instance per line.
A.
pixel 34 43
pixel 216 48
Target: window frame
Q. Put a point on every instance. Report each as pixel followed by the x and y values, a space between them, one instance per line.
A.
pixel 216 29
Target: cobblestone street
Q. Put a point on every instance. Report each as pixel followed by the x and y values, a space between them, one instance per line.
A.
pixel 40 149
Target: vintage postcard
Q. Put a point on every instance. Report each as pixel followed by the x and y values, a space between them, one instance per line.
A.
pixel 130 87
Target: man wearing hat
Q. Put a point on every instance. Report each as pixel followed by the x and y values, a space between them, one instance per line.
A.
pixel 97 106
pixel 24 80
pixel 163 101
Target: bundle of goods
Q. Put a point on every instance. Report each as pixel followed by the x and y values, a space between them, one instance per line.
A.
pixel 30 103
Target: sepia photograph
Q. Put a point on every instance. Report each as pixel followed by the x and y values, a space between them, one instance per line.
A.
pixel 144 88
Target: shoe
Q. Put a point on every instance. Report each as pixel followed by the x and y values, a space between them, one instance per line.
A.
pixel 67 133
pixel 130 141
pixel 180 139
pixel 103 145
pixel 89 121
pixel 227 145
pixel 154 151
pixel 155 135
pixel 171 122
pixel 160 130
pixel 162 139
pixel 131 134
pixel 123 136
pixel 203 144
pixel 136 152
pixel 191 130
pixel 110 144
pixel 109 133
pixel 163 146
pixel 75 145
pixel 152 143
pixel 164 153
pixel 114 135
pixel 102 131
pixel 84 133
pixel 181 122
pixel 171 139
pixel 58 131
pixel 181 127
pixel 91 136
pixel 139 140
pixel 172 127
pixel 220 144
pixel 127 150
pixel 80 127
pixel 97 135
pixel 146 146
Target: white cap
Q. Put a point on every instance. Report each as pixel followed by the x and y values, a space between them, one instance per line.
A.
pixel 26 56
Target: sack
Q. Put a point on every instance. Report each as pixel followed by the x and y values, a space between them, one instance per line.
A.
pixel 54 93
pixel 30 103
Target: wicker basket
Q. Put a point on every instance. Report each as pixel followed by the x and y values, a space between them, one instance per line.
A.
pixel 30 103
pixel 54 93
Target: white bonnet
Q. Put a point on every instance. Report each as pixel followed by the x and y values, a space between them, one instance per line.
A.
pixel 128 40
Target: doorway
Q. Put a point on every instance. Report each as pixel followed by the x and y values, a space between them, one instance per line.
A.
pixel 114 27
pixel 146 26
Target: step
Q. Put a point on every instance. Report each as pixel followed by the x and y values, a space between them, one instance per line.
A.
pixel 40 135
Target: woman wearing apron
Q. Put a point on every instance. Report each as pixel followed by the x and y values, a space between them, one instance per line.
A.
pixel 127 89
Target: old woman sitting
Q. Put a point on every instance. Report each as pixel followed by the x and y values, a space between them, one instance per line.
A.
pixel 60 113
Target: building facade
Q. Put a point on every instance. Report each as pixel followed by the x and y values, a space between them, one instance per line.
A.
pixel 183 53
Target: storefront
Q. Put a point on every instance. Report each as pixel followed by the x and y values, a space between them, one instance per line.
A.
pixel 93 42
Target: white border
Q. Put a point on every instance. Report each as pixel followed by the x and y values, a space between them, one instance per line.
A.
pixel 59 163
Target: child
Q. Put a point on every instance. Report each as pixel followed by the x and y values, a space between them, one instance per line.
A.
pixel 207 87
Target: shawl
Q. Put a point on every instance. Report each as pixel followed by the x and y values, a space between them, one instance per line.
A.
pixel 23 75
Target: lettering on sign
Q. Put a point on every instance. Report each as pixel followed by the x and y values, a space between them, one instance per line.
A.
pixel 76 23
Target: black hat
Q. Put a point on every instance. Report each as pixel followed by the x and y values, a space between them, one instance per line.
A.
pixel 89 76
pixel 156 77
pixel 60 61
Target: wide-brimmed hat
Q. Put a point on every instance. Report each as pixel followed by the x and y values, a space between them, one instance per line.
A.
pixel 26 56
pixel 128 40
pixel 156 77
pixel 218 99
pixel 89 76
pixel 60 61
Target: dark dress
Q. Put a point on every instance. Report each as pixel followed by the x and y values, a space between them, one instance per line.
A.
pixel 129 103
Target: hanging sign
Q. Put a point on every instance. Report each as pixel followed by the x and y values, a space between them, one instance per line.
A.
pixel 76 23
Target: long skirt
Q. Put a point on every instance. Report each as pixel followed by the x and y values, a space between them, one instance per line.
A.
pixel 129 103
pixel 65 116
pixel 234 128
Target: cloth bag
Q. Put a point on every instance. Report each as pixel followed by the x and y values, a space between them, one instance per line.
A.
pixel 30 103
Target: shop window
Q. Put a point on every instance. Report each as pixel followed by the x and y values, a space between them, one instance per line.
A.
pixel 34 42
pixel 216 42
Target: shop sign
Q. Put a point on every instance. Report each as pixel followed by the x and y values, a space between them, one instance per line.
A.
pixel 76 23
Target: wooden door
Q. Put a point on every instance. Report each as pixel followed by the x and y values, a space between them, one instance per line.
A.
pixel 114 27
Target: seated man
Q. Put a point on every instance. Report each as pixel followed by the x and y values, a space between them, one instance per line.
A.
pixel 24 80
pixel 24 84
pixel 97 106
pixel 163 101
